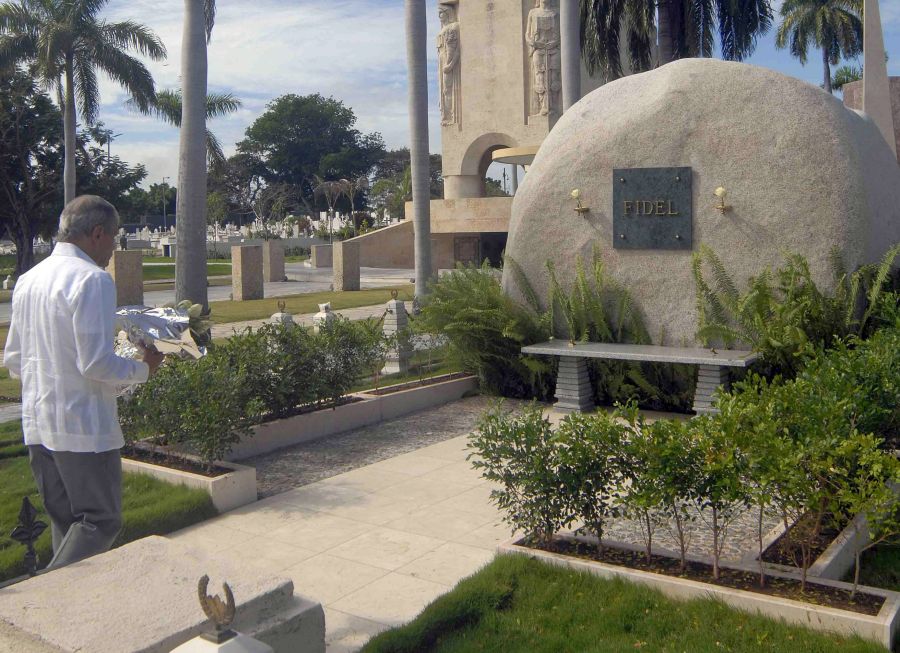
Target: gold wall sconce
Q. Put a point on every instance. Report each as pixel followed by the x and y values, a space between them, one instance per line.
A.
pixel 721 207
pixel 580 209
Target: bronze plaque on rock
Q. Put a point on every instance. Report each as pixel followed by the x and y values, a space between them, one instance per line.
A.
pixel 652 208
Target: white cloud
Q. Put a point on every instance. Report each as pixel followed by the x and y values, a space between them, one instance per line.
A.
pixel 354 50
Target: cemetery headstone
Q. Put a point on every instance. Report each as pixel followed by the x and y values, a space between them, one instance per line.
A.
pixel 273 261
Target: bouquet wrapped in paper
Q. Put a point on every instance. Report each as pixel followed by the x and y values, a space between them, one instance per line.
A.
pixel 170 329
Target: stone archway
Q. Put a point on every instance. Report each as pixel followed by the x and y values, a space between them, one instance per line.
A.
pixel 469 182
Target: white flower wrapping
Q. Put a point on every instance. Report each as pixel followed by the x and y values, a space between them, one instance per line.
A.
pixel 168 328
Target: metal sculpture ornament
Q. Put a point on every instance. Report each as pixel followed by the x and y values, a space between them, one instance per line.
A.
pixel 220 612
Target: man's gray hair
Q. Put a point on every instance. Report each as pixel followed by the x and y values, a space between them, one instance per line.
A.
pixel 83 214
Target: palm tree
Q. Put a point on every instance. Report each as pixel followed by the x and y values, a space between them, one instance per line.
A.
pixel 416 61
pixel 190 264
pixel 168 106
pixel 845 75
pixel 350 188
pixel 684 28
pixel 331 191
pixel 66 43
pixel 832 25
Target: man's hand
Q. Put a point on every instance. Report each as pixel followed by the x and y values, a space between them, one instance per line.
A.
pixel 153 357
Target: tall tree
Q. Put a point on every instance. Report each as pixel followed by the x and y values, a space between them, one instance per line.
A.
pixel 190 264
pixel 168 107
pixel 67 43
pixel 30 154
pixel 301 137
pixel 833 26
pixel 683 28
pixel 416 62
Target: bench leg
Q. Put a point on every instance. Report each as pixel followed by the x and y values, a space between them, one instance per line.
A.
pixel 573 385
pixel 709 379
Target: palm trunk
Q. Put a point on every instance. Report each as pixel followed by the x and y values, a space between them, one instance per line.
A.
pixel 417 59
pixel 665 33
pixel 825 61
pixel 190 230
pixel 69 127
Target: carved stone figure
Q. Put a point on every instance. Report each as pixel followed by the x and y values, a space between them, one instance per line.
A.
pixel 542 38
pixel 449 82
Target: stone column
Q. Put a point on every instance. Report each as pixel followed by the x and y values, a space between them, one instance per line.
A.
pixel 396 321
pixel 247 272
pixel 273 261
pixel 709 379
pixel 876 88
pixel 127 270
pixel 514 178
pixel 320 256
pixel 346 265
pixel 570 51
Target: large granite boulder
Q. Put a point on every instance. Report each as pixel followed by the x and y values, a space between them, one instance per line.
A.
pixel 803 174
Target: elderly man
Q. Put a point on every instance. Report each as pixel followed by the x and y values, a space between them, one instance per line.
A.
pixel 61 345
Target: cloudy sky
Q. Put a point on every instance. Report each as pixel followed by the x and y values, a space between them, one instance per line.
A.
pixel 353 50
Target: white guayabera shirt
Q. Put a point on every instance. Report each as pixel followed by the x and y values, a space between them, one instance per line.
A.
pixel 61 344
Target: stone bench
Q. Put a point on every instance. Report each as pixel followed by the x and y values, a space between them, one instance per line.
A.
pixel 573 386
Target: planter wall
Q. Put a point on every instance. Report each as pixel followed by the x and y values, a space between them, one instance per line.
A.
pixel 370 409
pixel 881 628
pixel 229 491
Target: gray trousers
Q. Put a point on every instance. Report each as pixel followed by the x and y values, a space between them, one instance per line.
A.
pixel 82 493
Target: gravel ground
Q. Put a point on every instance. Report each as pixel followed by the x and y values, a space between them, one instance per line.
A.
pixel 306 463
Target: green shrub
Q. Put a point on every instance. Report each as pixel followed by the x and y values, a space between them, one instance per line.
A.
pixel 211 403
pixel 519 453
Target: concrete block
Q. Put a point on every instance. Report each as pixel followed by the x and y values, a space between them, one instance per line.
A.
pixel 247 272
pixel 127 270
pixel 320 256
pixel 346 266
pixel 143 597
pixel 273 261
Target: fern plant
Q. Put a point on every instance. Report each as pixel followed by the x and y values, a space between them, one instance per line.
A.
pixel 783 315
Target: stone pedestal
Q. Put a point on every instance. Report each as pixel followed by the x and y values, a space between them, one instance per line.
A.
pixel 396 322
pixel 273 261
pixel 573 385
pixel 143 597
pixel 320 256
pixel 346 266
pixel 238 644
pixel 247 272
pixel 709 379
pixel 325 316
pixel 127 270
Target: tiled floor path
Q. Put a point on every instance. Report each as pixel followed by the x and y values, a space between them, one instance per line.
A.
pixel 373 545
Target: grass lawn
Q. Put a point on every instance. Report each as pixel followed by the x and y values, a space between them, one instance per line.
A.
pixel 259 309
pixel 880 568
pixel 149 507
pixel 517 604
pixel 296 259
pixel 10 389
pixel 156 272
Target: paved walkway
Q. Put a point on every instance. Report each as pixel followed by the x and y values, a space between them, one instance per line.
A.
pixel 374 545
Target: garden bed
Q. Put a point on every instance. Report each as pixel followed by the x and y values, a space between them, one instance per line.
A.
pixel 364 409
pixel 409 385
pixel 881 626
pixel 234 486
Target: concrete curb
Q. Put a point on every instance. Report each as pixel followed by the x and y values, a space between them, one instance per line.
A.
pixel 230 491
pixel 372 409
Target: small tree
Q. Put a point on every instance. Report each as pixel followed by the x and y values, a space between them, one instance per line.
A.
pixel 590 455
pixel 520 454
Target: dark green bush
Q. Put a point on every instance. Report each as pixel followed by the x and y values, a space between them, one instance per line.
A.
pixel 210 403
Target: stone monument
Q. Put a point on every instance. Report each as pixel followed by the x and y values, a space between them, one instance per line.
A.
pixel 273 261
pixel 346 265
pixel 776 165
pixel 396 322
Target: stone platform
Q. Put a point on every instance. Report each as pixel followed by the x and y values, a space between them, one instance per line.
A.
pixel 143 597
